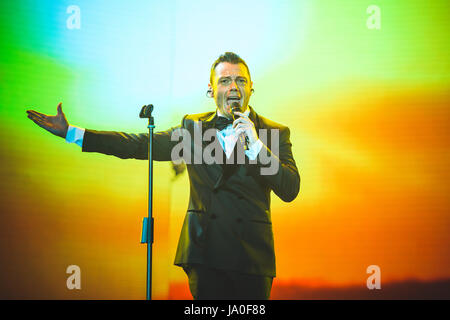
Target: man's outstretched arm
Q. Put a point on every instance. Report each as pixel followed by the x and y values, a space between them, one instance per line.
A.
pixel 129 145
pixel 119 144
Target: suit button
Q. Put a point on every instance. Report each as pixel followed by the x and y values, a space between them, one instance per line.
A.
pixel 213 216
pixel 238 220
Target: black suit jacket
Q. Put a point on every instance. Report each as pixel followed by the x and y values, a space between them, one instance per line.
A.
pixel 228 221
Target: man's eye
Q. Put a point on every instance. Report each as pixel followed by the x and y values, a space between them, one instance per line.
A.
pixel 225 81
pixel 242 81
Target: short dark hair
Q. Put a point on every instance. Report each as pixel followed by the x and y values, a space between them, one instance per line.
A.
pixel 230 57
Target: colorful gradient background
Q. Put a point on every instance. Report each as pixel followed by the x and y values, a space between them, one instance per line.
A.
pixel 368 111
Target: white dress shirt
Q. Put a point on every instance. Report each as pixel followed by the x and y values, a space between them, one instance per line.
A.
pixel 227 138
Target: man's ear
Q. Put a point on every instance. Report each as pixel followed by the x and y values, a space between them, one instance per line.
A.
pixel 210 90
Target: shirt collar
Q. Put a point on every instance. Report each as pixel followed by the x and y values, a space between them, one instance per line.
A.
pixel 220 114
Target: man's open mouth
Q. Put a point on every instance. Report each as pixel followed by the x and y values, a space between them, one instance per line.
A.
pixel 230 100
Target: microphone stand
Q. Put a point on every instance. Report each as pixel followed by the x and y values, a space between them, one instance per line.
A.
pixel 148 222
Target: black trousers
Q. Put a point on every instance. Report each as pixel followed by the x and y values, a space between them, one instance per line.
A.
pixel 207 283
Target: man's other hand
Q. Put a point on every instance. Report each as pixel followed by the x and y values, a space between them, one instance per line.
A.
pixel 57 125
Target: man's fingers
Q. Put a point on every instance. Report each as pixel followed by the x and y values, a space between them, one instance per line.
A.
pixel 240 114
pixel 241 120
pixel 36 120
pixel 237 121
pixel 41 123
pixel 242 127
pixel 36 114
pixel 33 117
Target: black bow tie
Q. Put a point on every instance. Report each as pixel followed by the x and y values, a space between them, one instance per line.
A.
pixel 222 123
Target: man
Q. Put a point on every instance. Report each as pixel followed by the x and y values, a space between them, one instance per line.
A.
pixel 226 242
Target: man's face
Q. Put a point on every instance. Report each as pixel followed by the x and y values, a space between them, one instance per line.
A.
pixel 231 83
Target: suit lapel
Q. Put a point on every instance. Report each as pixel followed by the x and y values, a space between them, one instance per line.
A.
pixel 207 123
pixel 210 123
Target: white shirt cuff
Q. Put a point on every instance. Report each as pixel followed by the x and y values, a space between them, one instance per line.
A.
pixel 253 151
pixel 75 135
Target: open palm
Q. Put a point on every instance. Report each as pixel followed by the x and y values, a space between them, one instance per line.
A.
pixel 57 125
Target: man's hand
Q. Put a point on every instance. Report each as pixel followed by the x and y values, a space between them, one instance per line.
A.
pixel 244 124
pixel 57 125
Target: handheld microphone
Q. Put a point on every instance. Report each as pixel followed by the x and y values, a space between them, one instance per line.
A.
pixel 235 106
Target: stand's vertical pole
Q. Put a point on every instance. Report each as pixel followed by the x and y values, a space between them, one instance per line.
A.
pixel 150 220
pixel 148 223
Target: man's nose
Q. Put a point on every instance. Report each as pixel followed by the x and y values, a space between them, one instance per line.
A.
pixel 233 85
